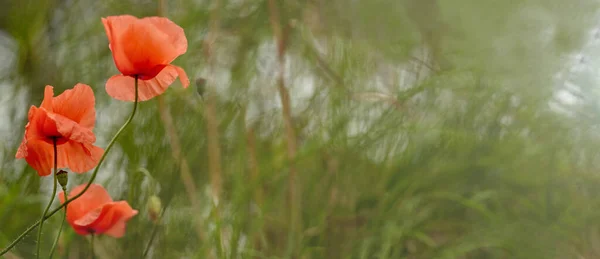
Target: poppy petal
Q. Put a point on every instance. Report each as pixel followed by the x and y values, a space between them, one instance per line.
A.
pixel 111 221
pixel 118 228
pixel 29 133
pixel 22 151
pixel 115 26
pixel 40 156
pixel 77 104
pixel 80 224
pixel 89 218
pixel 144 47
pixel 93 198
pixel 175 33
pixel 95 212
pixel 71 130
pixel 183 78
pixel 40 126
pixel 122 87
pixel 79 157
pixel 47 103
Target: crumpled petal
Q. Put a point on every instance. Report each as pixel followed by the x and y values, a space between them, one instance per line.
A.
pixel 122 87
pixel 79 157
pixel 40 156
pixel 67 121
pixel 35 147
pixel 111 220
pixel 183 78
pixel 42 126
pixel 22 151
pixel 93 198
pixel 95 212
pixel 77 104
pixel 72 130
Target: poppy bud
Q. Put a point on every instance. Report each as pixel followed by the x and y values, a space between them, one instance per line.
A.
pixel 200 86
pixel 154 206
pixel 63 178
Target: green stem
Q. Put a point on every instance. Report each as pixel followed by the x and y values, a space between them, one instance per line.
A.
pixel 168 200
pixel 152 235
pixel 61 227
pixel 110 144
pixel 42 219
pixel 92 246
pixel 217 217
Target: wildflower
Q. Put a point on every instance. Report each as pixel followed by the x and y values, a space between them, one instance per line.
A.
pixel 95 212
pixel 144 48
pixel 66 121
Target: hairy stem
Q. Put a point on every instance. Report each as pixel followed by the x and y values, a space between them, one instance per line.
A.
pixel 42 219
pixel 92 246
pixel 62 223
pixel 152 235
pixel 280 36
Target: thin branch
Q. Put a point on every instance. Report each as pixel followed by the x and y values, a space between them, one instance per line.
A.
pixel 423 63
pixel 280 37
pixel 10 255
pixel 326 68
pixel 254 175
pixel 253 163
pixel 212 123
pixel 210 109
pixel 324 65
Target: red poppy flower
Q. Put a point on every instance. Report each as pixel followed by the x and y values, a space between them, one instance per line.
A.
pixel 69 119
pixel 96 212
pixel 144 47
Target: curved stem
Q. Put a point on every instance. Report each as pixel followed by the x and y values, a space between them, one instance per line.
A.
pixel 61 227
pixel 110 144
pixel 39 236
pixel 168 200
pixel 152 235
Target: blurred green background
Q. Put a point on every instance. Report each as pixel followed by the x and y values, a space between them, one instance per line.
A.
pixel 327 128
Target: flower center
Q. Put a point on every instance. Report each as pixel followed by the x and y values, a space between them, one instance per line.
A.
pixel 57 139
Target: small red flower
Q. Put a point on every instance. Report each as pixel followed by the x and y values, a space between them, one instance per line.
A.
pixel 68 119
pixel 95 212
pixel 144 48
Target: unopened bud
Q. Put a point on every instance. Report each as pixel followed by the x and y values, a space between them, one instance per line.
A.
pixel 200 86
pixel 154 206
pixel 63 178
